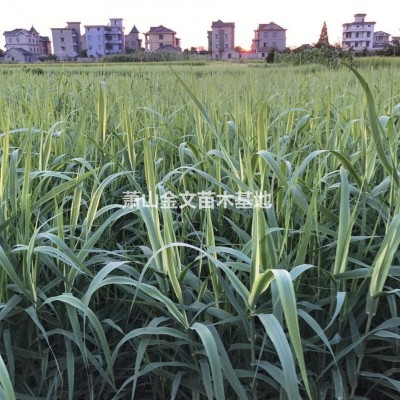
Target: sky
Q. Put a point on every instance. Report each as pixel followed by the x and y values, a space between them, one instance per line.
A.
pixel 191 19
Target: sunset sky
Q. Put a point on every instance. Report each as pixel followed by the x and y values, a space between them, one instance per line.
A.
pixel 191 19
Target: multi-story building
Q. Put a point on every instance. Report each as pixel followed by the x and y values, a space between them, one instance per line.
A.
pixel 27 45
pixel 267 37
pixel 67 41
pixel 132 40
pixel 221 40
pixel 102 40
pixel 358 35
pixel 381 40
pixel 160 36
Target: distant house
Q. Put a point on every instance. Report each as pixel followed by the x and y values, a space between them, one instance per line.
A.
pixel 358 35
pixel 32 44
pixel 45 45
pixel 67 41
pixel 160 36
pixel 381 39
pixel 132 40
pixel 102 40
pixel 20 55
pixel 267 37
pixel 221 41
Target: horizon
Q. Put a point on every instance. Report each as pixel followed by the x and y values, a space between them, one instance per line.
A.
pixel 303 23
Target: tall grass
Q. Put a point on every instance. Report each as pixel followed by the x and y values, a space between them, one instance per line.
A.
pixel 298 300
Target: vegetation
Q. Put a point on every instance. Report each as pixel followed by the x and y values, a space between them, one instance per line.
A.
pixel 103 301
pixel 323 40
pixel 156 56
pixel 329 56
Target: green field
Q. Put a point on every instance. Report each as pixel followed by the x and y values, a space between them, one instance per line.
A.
pixel 133 268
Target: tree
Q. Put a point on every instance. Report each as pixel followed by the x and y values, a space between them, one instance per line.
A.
pixel 323 37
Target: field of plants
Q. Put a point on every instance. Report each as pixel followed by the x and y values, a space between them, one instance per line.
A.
pixel 140 258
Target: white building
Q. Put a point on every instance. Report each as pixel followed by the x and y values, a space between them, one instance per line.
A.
pixel 160 37
pixel 102 40
pixel 358 35
pixel 221 41
pixel 67 41
pixel 27 45
pixel 267 37
pixel 381 40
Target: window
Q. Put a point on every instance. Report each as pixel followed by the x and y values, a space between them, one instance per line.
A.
pixel 29 40
pixel 265 44
pixel 62 48
pixel 98 29
pixel 62 40
pixel 262 54
pixel 226 45
pixel 368 44
pixel 368 34
pixel 348 35
pixel 216 36
pixel 229 55
pixel 161 45
pixel 17 40
pixel 90 47
pixel 226 36
pixel 356 44
pixel 99 38
pixel 30 49
pixel 265 34
pixel 89 37
pixel 161 36
pixel 10 40
pixel 274 34
pixel 357 35
pixel 274 45
pixel 216 45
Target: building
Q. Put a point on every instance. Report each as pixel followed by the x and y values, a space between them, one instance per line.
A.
pixel 132 40
pixel 102 40
pixel 67 41
pixel 160 36
pixel 358 35
pixel 28 45
pixel 221 41
pixel 20 55
pixel 45 45
pixel 381 40
pixel 267 37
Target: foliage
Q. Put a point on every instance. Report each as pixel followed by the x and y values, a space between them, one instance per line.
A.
pixel 327 55
pixel 99 300
pixel 155 56
pixel 323 40
pixel 270 59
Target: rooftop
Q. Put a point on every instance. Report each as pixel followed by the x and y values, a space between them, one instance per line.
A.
pixel 134 29
pixel 220 24
pixel 160 29
pixel 272 26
